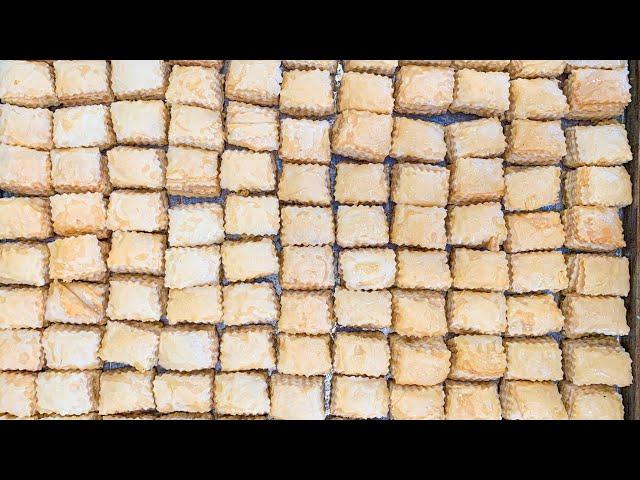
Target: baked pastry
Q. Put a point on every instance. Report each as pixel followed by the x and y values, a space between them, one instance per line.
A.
pixel 197 127
pixel 479 270
pixel 361 353
pixel 603 145
pixel 131 343
pixel 537 99
pixel 597 93
pixel 18 394
pixel 251 215
pixel 479 225
pixel 297 398
pixel 25 218
pixel 307 268
pixel 330 65
pixel 183 392
pixel 139 79
pixel 249 259
pixel 307 93
pixel 131 210
pixel 306 312
pixel 362 135
pixel 241 393
pixel 423 90
pixel 84 126
pixel 477 357
pixel 531 188
pixel 419 361
pixel 536 68
pixel 134 167
pixel 423 269
pixel 367 268
pixel 365 91
pixel 79 303
pixel 72 347
pixel 195 305
pixel 246 171
pixel 24 171
pixel 482 65
pixel 472 401
pixel 195 85
pixel 21 350
pixel 361 226
pixel 475 180
pixel 305 141
pixel 24 263
pixel 524 400
pixel 305 355
pixel 252 127
pixel 481 93
pixel 358 183
pixel 592 402
pixel 79 214
pixel 418 313
pixel 535 359
pixel 124 391
pixel 306 184
pixel 593 229
pixel 254 81
pixel 192 172
pixel 537 271
pixel 82 82
pixel 532 315
pixel 598 186
pixel 586 315
pixel 533 231
pixel 534 142
pixel 482 138
pixel 476 312
pixel 417 141
pixel 362 309
pixel 249 303
pixel 420 185
pixel 359 397
pixel 192 225
pixel 419 227
pixel 596 361
pixel 247 348
pixel 22 307
pixel 78 258
pixel 77 170
pixel 26 127
pixel 28 84
pixel 411 402
pixel 592 274
pixel 380 67
pixel 136 297
pixel 306 225
pixel 192 266
pixel 67 393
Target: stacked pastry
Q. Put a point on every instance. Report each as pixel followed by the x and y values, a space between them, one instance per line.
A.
pixel 183 240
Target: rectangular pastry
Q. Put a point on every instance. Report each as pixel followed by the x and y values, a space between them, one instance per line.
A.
pixel 419 361
pixel 136 297
pixel 79 303
pixel 531 188
pixel 193 225
pixel 28 84
pixel 359 397
pixel 18 394
pixel 196 127
pixel 25 218
pixel 592 274
pixel 586 315
pixel 251 215
pixel 130 210
pixel 423 269
pixel 78 258
pixel 537 99
pixel 297 398
pixel 479 225
pixel 248 260
pixel 481 93
pixel 605 64
pixel 482 138
pixel 597 93
pixel 134 167
pixel 524 400
pixel 536 68
pixel 361 353
pixel 412 402
pixel 67 393
pixel 418 313
pixel 599 186
pixel 306 312
pixel 84 126
pixel 77 170
pixel 241 393
pixel 534 142
pixel 415 140
pixel 477 357
pixel 79 214
pixel 307 184
pixel 72 347
pixel 592 402
pixel 125 390
pixel 183 392
pixel 537 271
pixel 475 180
pixel 423 90
pixel 246 171
pixel 195 305
pixel 533 231
pixel 361 183
pixel 137 252
pixel 306 225
pixel 596 360
pixel 24 263
pixel 192 266
pixel 330 65
pixel 22 307
pixel 247 348
pixel 192 172
pixel 139 79
pixel 249 303
pixel 254 81
pixel 82 82
pixel 195 85
pixel 533 315
pixel 24 171
pixel 252 127
pixel 26 127
pixel 132 343
pixel 536 359
pixel 307 268
pixel 364 91
pixel 361 226
pixel 362 309
pixel 479 270
pixel 362 135
pixel 309 93
pixel 420 185
pixel 482 65
pixel 604 145
pixel 419 227
pixel 21 350
pixel 476 312
pixel 305 141
pixel 367 268
pixel 472 401
pixel 305 355
pixel 593 229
